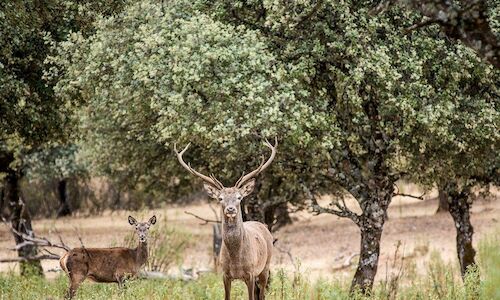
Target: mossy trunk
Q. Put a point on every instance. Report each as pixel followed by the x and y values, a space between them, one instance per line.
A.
pixel 20 220
pixel 459 208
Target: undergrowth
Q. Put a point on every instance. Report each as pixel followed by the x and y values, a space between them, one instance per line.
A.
pixel 440 282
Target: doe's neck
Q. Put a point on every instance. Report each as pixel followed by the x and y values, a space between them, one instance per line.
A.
pixel 142 253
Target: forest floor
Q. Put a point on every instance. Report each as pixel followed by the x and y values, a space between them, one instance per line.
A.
pixel 319 245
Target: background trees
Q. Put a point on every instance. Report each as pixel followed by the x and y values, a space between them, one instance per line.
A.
pixel 31 117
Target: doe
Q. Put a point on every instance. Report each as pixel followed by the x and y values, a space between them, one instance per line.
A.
pixel 106 264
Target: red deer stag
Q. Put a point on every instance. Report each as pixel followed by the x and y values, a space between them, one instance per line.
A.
pixel 246 246
pixel 106 264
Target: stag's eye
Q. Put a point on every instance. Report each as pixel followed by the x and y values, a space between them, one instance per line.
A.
pixel 238 197
pixel 221 198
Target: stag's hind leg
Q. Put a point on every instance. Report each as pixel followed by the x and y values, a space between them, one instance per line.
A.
pixel 262 282
pixel 227 288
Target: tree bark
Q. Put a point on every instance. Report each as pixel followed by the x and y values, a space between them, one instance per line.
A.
pixel 368 260
pixel 459 208
pixel 443 201
pixel 20 219
pixel 277 216
pixel 62 191
pixel 371 225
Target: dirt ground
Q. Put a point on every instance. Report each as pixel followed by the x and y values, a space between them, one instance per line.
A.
pixel 321 244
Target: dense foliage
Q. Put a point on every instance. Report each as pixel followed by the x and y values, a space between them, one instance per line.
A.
pixel 355 103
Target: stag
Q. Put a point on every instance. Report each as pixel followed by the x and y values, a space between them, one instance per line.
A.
pixel 246 246
pixel 107 264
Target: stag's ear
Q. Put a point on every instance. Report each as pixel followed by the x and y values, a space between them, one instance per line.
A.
pixel 211 190
pixel 247 189
pixel 152 220
pixel 132 221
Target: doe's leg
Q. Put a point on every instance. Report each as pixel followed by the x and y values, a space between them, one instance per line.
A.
pixel 75 280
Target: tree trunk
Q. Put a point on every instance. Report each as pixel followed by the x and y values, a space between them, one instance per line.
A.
pixel 443 201
pixel 368 260
pixel 277 216
pixel 20 219
pixel 459 208
pixel 217 244
pixel 371 225
pixel 64 206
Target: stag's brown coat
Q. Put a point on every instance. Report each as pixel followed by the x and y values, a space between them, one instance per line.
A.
pixel 247 247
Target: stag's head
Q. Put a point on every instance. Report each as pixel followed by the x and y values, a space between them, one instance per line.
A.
pixel 230 197
pixel 142 228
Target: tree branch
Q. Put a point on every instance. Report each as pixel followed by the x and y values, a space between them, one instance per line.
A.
pixel 421 24
pixel 30 258
pixel 340 211
pixel 30 240
pixel 421 197
pixel 206 221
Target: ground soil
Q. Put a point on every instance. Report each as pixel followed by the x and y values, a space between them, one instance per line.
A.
pixel 321 245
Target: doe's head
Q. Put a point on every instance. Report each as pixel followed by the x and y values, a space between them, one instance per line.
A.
pixel 142 228
pixel 230 197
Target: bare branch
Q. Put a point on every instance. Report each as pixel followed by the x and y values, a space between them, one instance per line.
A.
pixel 30 258
pixel 347 263
pixel 214 211
pixel 421 197
pixel 421 24
pixel 201 218
pixel 31 240
pixel 341 211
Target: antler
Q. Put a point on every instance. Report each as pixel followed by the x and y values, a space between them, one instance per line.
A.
pixel 262 167
pixel 211 180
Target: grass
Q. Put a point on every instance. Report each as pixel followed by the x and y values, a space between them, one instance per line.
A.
pixel 441 282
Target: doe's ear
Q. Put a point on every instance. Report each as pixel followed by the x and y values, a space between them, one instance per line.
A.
pixel 211 190
pixel 152 220
pixel 247 189
pixel 132 221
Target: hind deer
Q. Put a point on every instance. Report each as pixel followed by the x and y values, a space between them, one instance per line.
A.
pixel 246 246
pixel 107 264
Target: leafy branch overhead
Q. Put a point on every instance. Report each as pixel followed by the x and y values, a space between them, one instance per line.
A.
pixel 468 21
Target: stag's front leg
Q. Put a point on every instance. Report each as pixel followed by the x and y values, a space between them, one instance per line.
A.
pixel 227 288
pixel 251 286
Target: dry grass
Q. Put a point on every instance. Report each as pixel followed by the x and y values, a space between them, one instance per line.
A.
pixel 319 243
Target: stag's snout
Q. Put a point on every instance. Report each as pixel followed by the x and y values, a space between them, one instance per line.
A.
pixel 230 211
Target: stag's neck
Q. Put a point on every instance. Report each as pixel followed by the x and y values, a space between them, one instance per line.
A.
pixel 233 233
pixel 141 253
